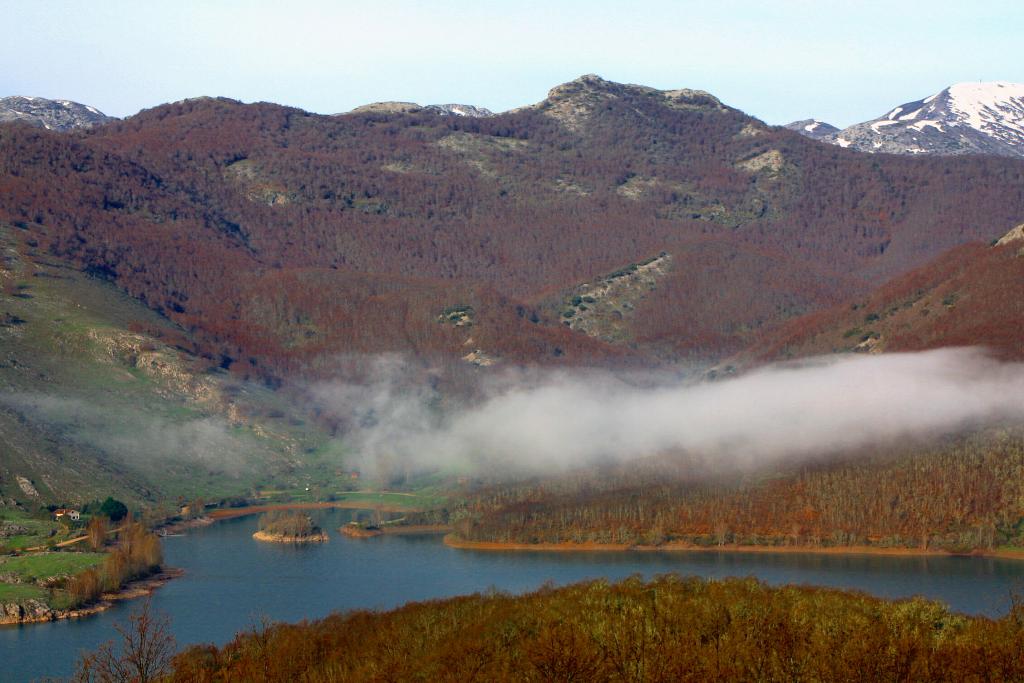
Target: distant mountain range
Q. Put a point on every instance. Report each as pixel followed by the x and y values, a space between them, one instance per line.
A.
pixel 50 114
pixel 966 118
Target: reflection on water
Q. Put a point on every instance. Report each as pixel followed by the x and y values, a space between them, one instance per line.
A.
pixel 233 581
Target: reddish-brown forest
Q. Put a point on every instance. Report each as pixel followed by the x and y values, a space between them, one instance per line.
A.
pixel 970 296
pixel 280 238
pixel 964 495
pixel 668 629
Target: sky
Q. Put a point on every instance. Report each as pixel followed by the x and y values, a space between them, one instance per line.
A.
pixel 779 60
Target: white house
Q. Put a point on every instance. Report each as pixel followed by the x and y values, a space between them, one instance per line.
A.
pixel 73 515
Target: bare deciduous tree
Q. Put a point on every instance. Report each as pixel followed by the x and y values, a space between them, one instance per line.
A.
pixel 147 648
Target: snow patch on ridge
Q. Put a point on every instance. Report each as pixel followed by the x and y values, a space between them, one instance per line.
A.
pixel 993 108
pixel 965 118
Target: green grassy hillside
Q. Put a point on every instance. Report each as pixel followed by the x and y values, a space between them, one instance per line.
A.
pixel 99 396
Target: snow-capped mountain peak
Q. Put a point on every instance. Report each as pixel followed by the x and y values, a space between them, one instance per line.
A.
pixel 813 128
pixel 50 114
pixel 460 110
pixel 966 118
pixel 996 109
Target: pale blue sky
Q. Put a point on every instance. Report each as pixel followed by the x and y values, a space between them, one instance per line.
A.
pixel 779 61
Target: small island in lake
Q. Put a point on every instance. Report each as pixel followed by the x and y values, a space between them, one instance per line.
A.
pixel 289 527
pixel 358 530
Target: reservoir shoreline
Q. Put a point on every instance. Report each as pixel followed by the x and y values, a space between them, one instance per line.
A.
pixel 453 541
pixel 232 579
pixel 138 588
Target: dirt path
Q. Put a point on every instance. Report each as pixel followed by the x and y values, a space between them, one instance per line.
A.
pixel 65 544
pixel 390 493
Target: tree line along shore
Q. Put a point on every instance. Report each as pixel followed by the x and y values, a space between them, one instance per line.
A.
pixel 665 629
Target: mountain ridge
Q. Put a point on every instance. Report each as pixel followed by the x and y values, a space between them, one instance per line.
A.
pixel 396 107
pixel 60 115
pixel 812 128
pixel 964 118
pixel 281 238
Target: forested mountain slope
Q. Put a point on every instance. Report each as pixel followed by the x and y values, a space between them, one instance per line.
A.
pixel 280 239
pixel 972 295
pixel 958 494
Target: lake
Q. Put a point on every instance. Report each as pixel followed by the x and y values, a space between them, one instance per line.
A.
pixel 232 582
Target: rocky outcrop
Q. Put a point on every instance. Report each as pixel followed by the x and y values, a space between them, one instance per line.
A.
pixel 31 611
pixel 601 308
pixel 574 102
pixel 1015 235
pixel 27 487
pixel 467 110
pixel 387 108
pixel 26 611
pixel 160 363
pixel 8 529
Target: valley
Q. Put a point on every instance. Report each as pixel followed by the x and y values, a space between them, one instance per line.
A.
pixel 621 318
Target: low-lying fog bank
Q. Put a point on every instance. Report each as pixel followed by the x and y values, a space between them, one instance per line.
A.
pixel 528 423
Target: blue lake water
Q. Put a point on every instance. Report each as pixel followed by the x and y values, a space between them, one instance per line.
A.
pixel 233 581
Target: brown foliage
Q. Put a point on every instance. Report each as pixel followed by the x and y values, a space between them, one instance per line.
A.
pixel 137 554
pixel 97 530
pixel 969 296
pixel 668 629
pixel 147 648
pixel 85 587
pixel 966 494
pixel 278 238
pixel 291 523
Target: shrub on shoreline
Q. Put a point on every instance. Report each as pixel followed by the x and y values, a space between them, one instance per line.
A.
pixel 138 554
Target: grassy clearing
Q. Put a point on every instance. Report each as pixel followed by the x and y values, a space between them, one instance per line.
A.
pixel 29 568
pixel 15 592
pixel 40 531
pixel 417 499
pixel 432 495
